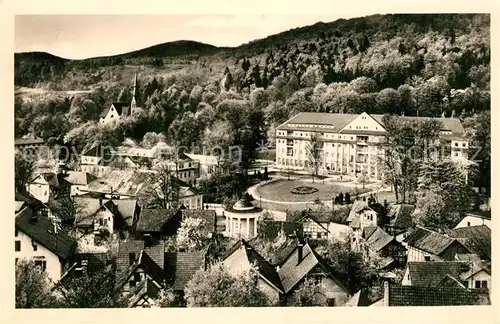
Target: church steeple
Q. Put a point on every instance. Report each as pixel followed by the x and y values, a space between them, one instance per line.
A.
pixel 133 104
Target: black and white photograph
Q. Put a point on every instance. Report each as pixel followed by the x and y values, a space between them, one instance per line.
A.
pixel 246 160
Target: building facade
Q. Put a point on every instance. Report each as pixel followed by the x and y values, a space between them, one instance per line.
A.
pixel 351 144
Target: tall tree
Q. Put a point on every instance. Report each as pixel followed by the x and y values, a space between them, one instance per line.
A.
pixel 190 235
pixel 24 169
pixel 33 288
pixel 164 191
pixel 314 152
pixel 217 287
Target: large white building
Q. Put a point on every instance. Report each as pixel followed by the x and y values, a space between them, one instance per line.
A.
pixel 352 143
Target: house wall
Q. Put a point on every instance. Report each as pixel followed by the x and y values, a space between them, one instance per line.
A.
pixel 473 221
pixel 452 250
pixel 338 231
pixel 346 153
pixel 111 116
pixel 406 278
pixel 237 262
pixel 333 290
pixel 368 217
pixel 193 202
pixel 53 267
pixel 107 220
pixel 480 276
pixel 76 189
pixel 40 191
pixel 415 254
pixel 314 231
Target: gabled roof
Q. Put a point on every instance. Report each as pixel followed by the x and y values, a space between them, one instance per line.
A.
pixel 400 215
pixel 42 232
pixel 476 267
pixel 291 272
pixel 378 239
pixel 429 241
pixel 486 214
pixel 436 296
pixel 430 274
pixel 258 263
pixel 319 218
pixel 145 262
pixel 338 121
pixel 79 178
pixel 357 207
pixel 121 108
pixel 359 299
pixel 208 215
pixel 53 179
pixel 181 266
pixel 122 182
pixel 156 252
pixel 153 220
pixel 87 208
pixel 126 209
pixel 477 239
pixel 282 253
pixel 450 282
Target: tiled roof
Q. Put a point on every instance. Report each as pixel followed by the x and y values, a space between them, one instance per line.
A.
pixel 291 273
pixel 430 274
pixel 208 215
pixel 145 262
pixel 53 179
pixel 79 178
pixel 428 241
pixel 339 121
pixel 356 208
pixel 450 282
pixel 400 215
pixel 283 251
pixel 260 265
pixel 378 239
pixel 126 208
pixel 122 182
pixel 436 296
pixel 477 239
pixel 476 267
pixel 153 220
pixel 86 209
pixel 181 266
pixel 156 252
pixel 42 232
pixel 368 231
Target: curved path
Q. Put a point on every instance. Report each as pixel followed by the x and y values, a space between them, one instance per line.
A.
pixel 253 191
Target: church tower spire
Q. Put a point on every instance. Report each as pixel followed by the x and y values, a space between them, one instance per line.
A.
pixel 133 104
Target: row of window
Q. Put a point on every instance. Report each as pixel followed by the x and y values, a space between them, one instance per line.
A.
pixel 18 246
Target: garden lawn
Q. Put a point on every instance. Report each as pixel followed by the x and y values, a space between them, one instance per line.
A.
pixel 280 190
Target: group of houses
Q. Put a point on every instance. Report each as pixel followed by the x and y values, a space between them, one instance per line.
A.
pixel 110 199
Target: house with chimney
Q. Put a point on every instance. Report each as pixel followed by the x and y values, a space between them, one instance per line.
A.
pixel 120 110
pixel 476 239
pixel 279 280
pixel 39 240
pixel 304 263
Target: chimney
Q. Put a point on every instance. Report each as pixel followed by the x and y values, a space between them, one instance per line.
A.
pixel 386 292
pixel 300 251
pixel 386 205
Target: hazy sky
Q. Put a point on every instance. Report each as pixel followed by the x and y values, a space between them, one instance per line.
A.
pixel 82 36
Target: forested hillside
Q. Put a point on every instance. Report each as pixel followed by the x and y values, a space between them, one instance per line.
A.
pixel 199 95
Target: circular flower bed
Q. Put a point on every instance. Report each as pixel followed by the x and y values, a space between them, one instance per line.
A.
pixel 303 190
